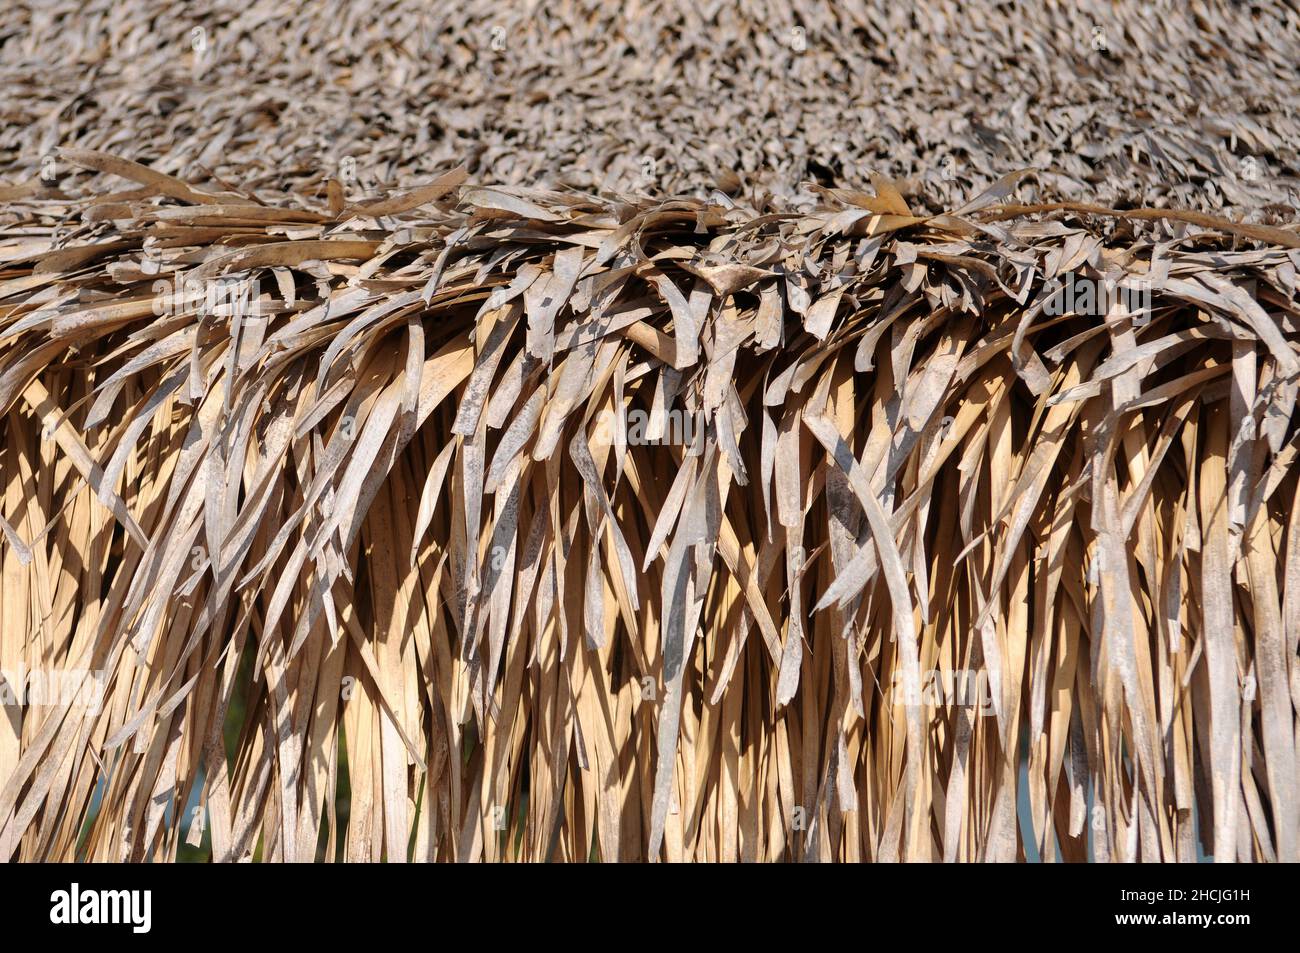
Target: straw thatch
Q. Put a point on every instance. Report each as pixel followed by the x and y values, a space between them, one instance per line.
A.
pixel 553 526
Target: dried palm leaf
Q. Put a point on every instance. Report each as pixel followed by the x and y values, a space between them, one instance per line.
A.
pixel 502 524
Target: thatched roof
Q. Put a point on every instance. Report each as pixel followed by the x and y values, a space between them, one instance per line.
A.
pixel 379 506
pixel 1181 104
pixel 669 430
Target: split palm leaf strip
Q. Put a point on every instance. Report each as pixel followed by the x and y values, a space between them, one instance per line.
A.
pixel 1128 102
pixel 487 523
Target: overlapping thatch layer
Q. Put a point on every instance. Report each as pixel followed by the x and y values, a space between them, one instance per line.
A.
pixel 1185 103
pixel 545 526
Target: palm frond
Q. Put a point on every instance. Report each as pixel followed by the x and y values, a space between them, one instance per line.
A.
pixel 498 524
